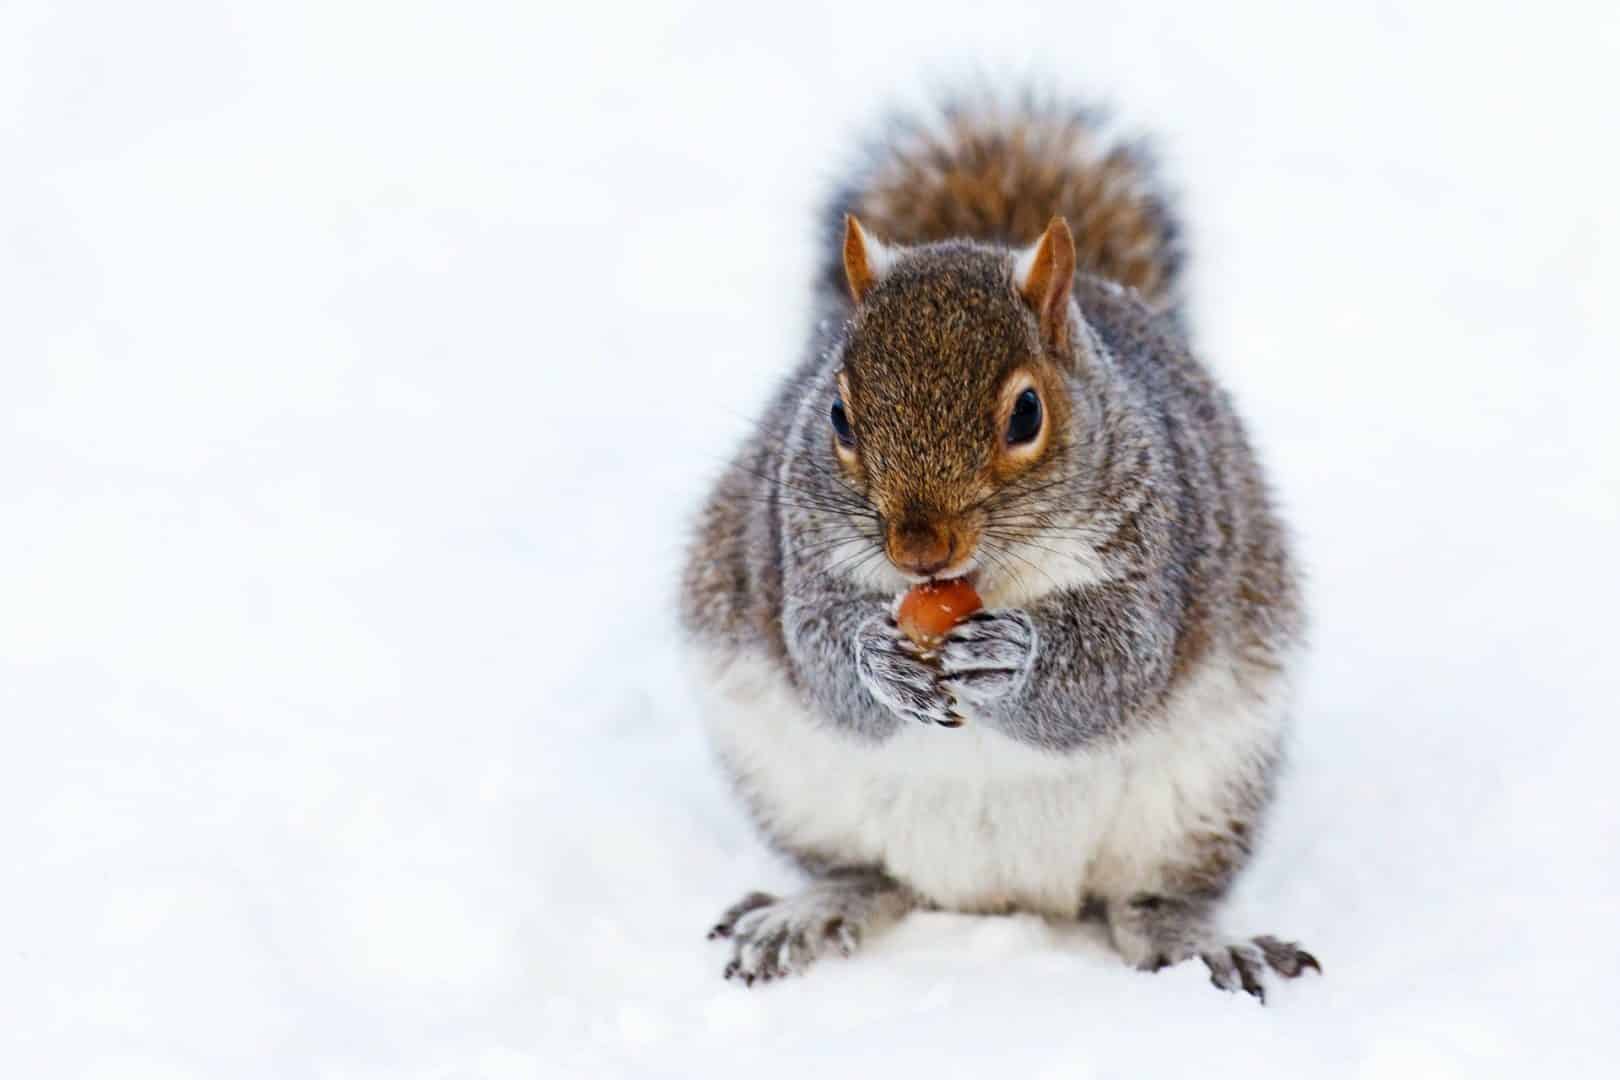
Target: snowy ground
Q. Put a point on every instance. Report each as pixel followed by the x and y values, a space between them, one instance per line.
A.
pixel 360 365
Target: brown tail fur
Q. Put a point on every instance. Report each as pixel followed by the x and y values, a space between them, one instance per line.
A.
pixel 998 172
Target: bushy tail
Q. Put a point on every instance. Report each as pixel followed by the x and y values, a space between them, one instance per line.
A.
pixel 998 171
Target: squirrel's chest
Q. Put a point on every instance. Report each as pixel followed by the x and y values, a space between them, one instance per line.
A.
pixel 968 817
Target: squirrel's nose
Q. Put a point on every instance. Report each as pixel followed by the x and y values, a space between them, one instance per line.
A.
pixel 921 547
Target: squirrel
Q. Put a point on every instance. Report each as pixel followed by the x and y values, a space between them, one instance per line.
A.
pixel 999 387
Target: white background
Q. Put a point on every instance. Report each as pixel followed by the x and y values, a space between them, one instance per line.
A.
pixel 360 365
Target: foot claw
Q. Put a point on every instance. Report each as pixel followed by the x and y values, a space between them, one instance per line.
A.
pixel 1286 958
pixel 772 939
pixel 1236 967
pixel 728 921
pixel 1250 982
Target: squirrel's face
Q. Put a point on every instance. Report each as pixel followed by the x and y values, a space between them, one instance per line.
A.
pixel 951 402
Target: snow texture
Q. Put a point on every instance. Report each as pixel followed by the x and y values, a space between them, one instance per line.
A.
pixel 362 363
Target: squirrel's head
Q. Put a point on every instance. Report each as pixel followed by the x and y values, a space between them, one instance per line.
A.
pixel 951 409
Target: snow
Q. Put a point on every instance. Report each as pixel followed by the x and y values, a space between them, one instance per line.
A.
pixel 363 363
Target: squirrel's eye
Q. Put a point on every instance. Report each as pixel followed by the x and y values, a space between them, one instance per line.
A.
pixel 1025 422
pixel 840 423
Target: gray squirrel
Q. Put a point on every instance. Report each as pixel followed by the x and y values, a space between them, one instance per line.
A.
pixel 999 387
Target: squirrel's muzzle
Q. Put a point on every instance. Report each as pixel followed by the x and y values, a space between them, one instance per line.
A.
pixel 925 547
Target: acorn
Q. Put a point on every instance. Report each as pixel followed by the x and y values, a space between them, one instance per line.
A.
pixel 928 611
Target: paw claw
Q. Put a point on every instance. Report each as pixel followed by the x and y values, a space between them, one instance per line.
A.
pixel 1242 966
pixel 1285 957
pixel 734 914
pixel 1236 967
pixel 783 937
pixel 896 674
pixel 1250 983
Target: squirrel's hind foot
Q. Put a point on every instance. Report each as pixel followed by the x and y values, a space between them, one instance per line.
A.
pixel 728 920
pixel 1154 932
pixel 1240 966
pixel 773 938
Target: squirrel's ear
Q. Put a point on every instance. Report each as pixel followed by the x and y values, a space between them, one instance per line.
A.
pixel 1044 274
pixel 866 259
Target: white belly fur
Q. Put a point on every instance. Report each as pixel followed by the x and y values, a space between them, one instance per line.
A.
pixel 975 821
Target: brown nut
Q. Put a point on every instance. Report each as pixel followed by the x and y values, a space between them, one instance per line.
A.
pixel 928 611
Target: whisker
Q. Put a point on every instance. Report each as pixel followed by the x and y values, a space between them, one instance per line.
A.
pixel 997 555
pixel 991 553
pixel 827 545
pixel 1019 490
pixel 1076 532
pixel 821 525
pixel 850 564
pixel 832 496
pixel 1069 555
pixel 1033 566
pixel 1064 518
pixel 809 502
pixel 799 503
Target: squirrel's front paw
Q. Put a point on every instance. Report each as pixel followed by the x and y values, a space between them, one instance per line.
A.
pixel 896 675
pixel 987 656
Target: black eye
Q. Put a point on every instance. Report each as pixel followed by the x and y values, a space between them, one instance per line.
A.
pixel 840 422
pixel 1025 422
